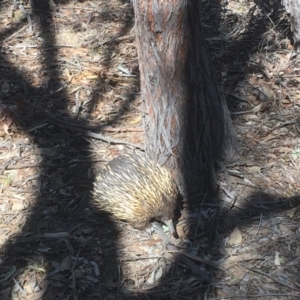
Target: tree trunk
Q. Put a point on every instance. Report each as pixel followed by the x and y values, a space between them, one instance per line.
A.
pixel 292 7
pixel 186 119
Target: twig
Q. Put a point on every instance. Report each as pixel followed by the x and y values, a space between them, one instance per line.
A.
pixel 121 129
pixel 115 39
pixel 14 34
pixel 5 167
pixel 83 129
pixel 110 140
pixel 196 258
pixel 257 296
pixel 202 274
pixel 41 164
pixel 74 288
pixel 276 280
pixel 283 125
pixel 259 225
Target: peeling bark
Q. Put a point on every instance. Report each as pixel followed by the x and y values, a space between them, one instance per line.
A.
pixel 186 119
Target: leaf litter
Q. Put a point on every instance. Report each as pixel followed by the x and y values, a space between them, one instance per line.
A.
pixel 243 244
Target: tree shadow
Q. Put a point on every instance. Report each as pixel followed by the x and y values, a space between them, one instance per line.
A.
pixel 61 231
pixel 232 63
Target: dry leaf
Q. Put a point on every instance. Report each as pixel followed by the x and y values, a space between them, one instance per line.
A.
pixel 235 237
pixel 285 230
pixel 156 275
pixel 6 129
pixel 39 295
pixel 5 293
pixel 18 206
pixel 57 235
pixel 268 138
pixel 66 263
pixel 291 212
pixel 254 169
pixel 242 257
pixel 135 120
pixel 277 259
pixel 5 88
pixel 181 230
pixel 297 253
pixel 257 108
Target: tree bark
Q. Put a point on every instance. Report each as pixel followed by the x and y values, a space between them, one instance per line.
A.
pixel 186 120
pixel 292 7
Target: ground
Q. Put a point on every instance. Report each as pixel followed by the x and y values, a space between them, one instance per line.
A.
pixel 70 102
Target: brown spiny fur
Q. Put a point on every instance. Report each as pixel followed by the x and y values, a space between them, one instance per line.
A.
pixel 137 190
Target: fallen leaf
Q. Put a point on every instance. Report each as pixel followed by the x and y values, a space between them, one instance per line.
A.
pixel 66 263
pixel 39 295
pixel 277 259
pixel 257 108
pixel 291 212
pixel 243 257
pixel 235 237
pixel 18 206
pixel 254 169
pixel 5 88
pixel 155 276
pixel 285 230
pixel 135 120
pixel 297 253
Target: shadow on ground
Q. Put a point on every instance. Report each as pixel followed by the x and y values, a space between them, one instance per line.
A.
pixel 61 231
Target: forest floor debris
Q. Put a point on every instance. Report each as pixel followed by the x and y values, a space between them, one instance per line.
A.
pixel 70 102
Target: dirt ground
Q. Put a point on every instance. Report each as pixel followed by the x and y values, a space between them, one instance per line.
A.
pixel 70 102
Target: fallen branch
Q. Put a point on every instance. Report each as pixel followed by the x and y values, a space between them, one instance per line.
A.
pixel 83 129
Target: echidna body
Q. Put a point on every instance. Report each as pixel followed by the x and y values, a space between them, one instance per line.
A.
pixel 137 190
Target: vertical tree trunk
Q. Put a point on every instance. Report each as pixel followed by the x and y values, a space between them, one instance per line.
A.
pixel 292 7
pixel 186 118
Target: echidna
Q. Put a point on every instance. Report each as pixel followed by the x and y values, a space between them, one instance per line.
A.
pixel 135 189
